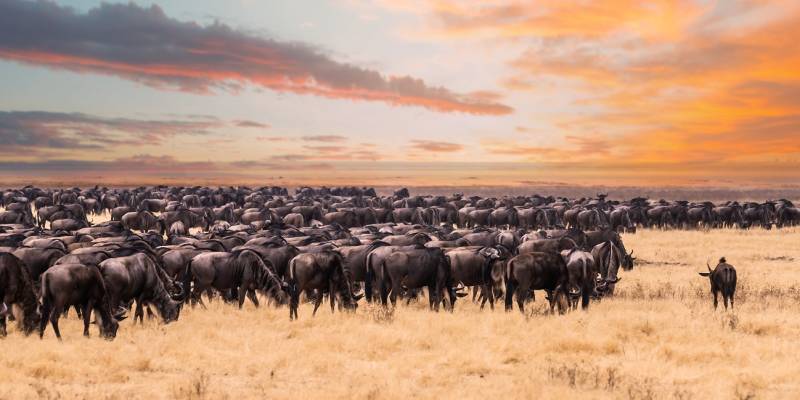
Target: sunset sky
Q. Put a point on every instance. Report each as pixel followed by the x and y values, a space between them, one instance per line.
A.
pixel 411 92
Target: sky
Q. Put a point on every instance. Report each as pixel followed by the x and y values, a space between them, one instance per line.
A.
pixel 394 92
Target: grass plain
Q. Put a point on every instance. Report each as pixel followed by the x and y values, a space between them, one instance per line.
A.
pixel 658 338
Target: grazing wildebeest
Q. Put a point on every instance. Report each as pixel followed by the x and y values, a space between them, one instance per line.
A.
pixel 413 269
pixel 138 277
pixel 581 274
pixel 81 286
pixel 16 288
pixel 608 257
pixel 473 267
pixel 241 270
pixel 320 272
pixel 534 271
pixel 723 279
pixel 374 273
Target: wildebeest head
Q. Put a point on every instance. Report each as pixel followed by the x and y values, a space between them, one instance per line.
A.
pixel 272 285
pixel 345 282
pixel 710 271
pixel 576 271
pixel 627 261
pixel 110 325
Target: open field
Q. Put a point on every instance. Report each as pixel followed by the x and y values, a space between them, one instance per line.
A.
pixel 658 338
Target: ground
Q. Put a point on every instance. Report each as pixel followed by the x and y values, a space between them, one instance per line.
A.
pixel 658 338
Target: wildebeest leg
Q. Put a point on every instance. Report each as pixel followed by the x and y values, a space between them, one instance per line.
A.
pixel 475 294
pixel 3 331
pixel 715 299
pixel 209 294
pixel 522 295
pixel 487 293
pixel 510 290
pixel 725 301
pixel 197 295
pixel 139 313
pixel 332 295
pixel 317 302
pixel 560 297
pixel 150 314
pixel 46 310
pixel 384 294
pixel 242 293
pixel 396 288
pixel 86 313
pixel 54 315
pixel 585 299
pixel 433 294
pixel 251 294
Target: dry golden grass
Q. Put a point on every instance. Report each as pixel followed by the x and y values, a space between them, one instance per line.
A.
pixel 659 338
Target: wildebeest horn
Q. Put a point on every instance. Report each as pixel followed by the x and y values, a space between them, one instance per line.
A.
pixel 120 314
pixel 180 296
pixel 708 266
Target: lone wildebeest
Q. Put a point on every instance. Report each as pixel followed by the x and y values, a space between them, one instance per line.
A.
pixel 723 279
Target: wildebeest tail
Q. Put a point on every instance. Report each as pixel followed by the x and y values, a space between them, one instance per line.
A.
pixel 187 276
pixel 368 278
pixel 44 293
pixel 729 281
pixel 292 277
pixel 386 280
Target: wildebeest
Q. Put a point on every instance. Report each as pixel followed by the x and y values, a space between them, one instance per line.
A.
pixel 473 267
pixel 137 277
pixel 320 272
pixel 546 245
pixel 413 269
pixel 81 286
pixel 723 279
pixel 242 270
pixel 581 272
pixel 17 288
pixel 534 271
pixel 608 258
pixel 38 260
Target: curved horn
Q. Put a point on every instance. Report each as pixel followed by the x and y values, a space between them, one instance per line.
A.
pixel 181 295
pixel 708 266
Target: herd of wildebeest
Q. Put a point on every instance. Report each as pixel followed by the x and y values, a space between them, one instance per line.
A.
pixel 162 247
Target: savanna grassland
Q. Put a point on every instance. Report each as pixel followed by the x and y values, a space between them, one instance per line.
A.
pixel 658 338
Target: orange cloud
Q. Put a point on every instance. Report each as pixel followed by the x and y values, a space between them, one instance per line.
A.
pixel 723 91
pixel 149 47
pixel 660 19
pixel 325 138
pixel 435 146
